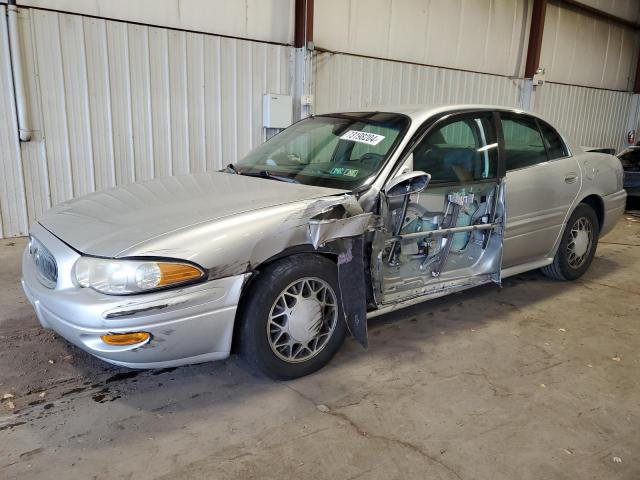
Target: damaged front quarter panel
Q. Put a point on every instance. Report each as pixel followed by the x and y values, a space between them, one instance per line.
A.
pixel 340 230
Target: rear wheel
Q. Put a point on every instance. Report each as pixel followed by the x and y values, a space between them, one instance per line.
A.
pixel 577 246
pixel 292 321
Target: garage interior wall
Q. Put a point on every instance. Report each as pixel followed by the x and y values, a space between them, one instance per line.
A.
pixel 578 49
pixel 121 91
pixel 113 102
pixel 348 81
pixel 456 51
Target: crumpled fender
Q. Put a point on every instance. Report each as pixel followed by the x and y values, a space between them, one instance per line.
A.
pixel 340 230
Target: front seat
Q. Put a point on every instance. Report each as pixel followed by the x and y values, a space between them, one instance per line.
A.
pixel 458 164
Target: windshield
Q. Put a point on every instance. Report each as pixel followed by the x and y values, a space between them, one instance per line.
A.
pixel 341 151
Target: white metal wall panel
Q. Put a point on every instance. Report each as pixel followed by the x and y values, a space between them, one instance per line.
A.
pixel 266 20
pixel 195 92
pixel 48 53
pixel 118 58
pixel 13 208
pixel 74 71
pixel 34 158
pixel 582 50
pixel 348 81
pixel 479 35
pixel 112 103
pixel 100 114
pixel 589 116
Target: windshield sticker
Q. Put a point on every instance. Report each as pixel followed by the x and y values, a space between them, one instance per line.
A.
pixel 345 172
pixel 362 137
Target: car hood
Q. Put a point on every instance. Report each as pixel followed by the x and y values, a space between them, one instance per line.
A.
pixel 109 222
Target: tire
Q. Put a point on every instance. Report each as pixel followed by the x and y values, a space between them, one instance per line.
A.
pixel 566 266
pixel 276 327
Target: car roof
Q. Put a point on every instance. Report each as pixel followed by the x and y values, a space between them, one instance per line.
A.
pixel 420 113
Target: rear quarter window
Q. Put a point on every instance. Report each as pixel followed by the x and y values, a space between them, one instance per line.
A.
pixel 555 146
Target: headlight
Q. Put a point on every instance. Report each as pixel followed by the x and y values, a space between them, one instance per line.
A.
pixel 121 277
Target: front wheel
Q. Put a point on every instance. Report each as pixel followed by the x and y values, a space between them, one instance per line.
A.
pixel 577 246
pixel 292 320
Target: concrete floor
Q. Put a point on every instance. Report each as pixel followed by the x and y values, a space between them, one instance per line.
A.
pixel 537 380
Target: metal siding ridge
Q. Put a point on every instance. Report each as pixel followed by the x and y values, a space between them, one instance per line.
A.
pixel 77 103
pixel 100 115
pixel 121 102
pixel 159 68
pixel 179 103
pixel 195 100
pixel 142 124
pixel 54 115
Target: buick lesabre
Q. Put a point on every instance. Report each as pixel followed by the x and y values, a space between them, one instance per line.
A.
pixel 337 219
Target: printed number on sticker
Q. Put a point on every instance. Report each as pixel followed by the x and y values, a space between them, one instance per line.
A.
pixel 362 137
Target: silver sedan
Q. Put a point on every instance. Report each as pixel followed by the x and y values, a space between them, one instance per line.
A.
pixel 339 218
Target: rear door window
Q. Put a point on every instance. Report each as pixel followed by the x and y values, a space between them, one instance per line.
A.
pixel 523 142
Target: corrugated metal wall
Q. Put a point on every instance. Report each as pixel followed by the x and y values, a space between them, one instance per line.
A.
pixel 349 81
pixel 590 116
pixel 582 50
pixel 486 36
pixel 265 20
pixel 114 103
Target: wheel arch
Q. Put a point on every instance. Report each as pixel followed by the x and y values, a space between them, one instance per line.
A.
pixel 289 252
pixel 255 272
pixel 597 204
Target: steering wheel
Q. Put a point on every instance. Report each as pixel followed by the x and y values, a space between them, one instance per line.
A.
pixel 284 159
pixel 369 159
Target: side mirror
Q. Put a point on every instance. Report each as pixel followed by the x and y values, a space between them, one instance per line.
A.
pixel 407 184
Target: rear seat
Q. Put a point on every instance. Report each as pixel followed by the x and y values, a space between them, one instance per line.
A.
pixel 524 157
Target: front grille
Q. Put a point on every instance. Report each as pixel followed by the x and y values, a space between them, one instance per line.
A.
pixel 45 263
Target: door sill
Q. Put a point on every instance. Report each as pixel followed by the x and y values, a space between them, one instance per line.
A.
pixel 525 267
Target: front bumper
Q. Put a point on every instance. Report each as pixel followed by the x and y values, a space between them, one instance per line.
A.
pixel 187 325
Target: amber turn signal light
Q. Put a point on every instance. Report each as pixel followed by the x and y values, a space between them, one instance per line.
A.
pixel 171 273
pixel 123 339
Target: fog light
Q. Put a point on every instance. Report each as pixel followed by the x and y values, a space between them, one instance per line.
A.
pixel 122 339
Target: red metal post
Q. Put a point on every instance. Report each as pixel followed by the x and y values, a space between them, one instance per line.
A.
pixel 535 37
pixel 303 15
